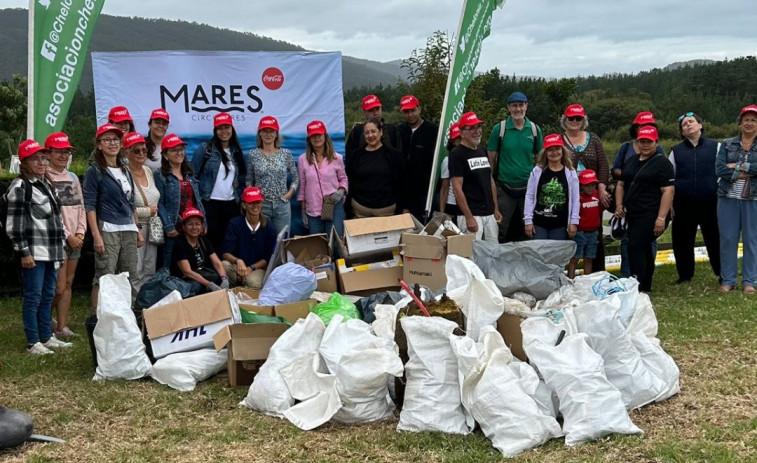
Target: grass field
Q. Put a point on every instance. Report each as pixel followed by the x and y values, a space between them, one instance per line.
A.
pixel 714 419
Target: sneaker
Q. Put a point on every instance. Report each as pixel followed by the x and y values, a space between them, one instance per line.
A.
pixel 54 342
pixel 65 333
pixel 39 349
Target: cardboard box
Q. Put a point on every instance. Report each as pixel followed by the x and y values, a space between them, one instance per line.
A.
pixel 306 250
pixel 508 326
pixel 424 257
pixel 373 234
pixel 188 324
pixel 292 311
pixel 248 346
pixel 366 277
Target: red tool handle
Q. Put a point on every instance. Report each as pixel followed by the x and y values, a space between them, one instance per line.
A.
pixel 415 298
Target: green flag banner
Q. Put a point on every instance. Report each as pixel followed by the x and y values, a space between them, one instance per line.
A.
pixel 475 26
pixel 59 33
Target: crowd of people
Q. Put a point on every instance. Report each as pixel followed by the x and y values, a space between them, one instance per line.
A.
pixel 214 221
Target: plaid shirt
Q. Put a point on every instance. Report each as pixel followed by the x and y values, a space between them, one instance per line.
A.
pixel 36 229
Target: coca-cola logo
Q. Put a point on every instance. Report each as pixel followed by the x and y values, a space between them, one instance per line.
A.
pixel 273 78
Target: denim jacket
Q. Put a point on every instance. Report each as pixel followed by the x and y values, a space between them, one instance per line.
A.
pixel 113 205
pixel 208 176
pixel 170 199
pixel 730 152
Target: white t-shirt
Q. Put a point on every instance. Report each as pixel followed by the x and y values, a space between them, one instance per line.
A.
pixel 445 175
pixel 154 165
pixel 122 180
pixel 223 189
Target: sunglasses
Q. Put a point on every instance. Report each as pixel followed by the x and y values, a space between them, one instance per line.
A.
pixel 688 114
pixel 575 118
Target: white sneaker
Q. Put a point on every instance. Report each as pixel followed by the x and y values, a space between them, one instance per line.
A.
pixel 54 342
pixel 39 349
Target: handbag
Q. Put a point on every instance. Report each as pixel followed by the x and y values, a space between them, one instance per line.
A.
pixel 514 191
pixel 155 233
pixel 328 204
pixel 154 224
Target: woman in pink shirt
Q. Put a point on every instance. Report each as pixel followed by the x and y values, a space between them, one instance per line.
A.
pixel 69 192
pixel 322 175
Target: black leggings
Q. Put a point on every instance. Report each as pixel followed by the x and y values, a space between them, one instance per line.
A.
pixel 217 215
pixel 640 256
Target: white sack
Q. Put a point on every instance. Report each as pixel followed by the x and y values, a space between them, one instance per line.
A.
pixel 659 363
pixel 591 406
pixel 461 271
pixel 623 365
pixel 183 370
pixel 493 393
pixel 315 390
pixel 362 380
pixel 118 340
pixel 481 302
pixel 432 391
pixel 341 337
pixel 268 392
pixel 644 319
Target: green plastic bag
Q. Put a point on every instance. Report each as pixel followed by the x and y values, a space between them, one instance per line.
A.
pixel 252 317
pixel 337 304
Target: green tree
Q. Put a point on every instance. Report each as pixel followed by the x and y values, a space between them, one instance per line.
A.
pixel 428 69
pixel 12 114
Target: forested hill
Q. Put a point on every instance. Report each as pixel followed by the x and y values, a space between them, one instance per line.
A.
pixel 114 33
pixel 716 90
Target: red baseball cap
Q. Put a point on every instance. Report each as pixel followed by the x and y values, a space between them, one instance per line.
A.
pixel 268 122
pixel 748 109
pixel 132 138
pixel 222 119
pixel 409 102
pixel 171 140
pixel 191 212
pixel 575 110
pixel 647 133
pixel 108 128
pixel 29 148
pixel 58 140
pixel 252 194
pixel 119 114
pixel 370 102
pixel 454 131
pixel 553 139
pixel 469 119
pixel 316 127
pixel 644 118
pixel 587 176
pixel 160 113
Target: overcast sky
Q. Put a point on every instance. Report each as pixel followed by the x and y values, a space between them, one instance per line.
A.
pixel 548 38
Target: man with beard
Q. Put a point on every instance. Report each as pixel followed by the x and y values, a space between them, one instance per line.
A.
pixel 418 143
pixel 512 146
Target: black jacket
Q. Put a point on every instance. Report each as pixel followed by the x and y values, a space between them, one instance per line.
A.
pixel 418 151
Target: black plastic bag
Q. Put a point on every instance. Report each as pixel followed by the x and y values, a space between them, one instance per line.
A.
pixel 367 305
pixel 159 286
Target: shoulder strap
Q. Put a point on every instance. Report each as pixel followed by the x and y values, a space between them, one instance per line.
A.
pixel 534 133
pixel 502 128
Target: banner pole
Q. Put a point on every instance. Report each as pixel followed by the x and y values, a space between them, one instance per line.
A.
pixel 30 75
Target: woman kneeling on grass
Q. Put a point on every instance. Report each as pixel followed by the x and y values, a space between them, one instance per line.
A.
pixel 35 227
pixel 194 258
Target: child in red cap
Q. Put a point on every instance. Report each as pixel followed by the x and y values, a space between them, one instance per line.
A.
pixel 590 219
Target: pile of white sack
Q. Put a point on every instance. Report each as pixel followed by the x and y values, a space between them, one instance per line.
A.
pixel 591 345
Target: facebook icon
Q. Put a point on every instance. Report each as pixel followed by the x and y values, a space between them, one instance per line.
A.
pixel 48 51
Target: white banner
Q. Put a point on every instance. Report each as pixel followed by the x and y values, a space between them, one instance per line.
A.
pixel 193 86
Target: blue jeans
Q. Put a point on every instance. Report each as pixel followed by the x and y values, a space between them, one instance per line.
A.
pixel 625 266
pixel 317 225
pixel 39 290
pixel 559 233
pixel 738 217
pixel 280 213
